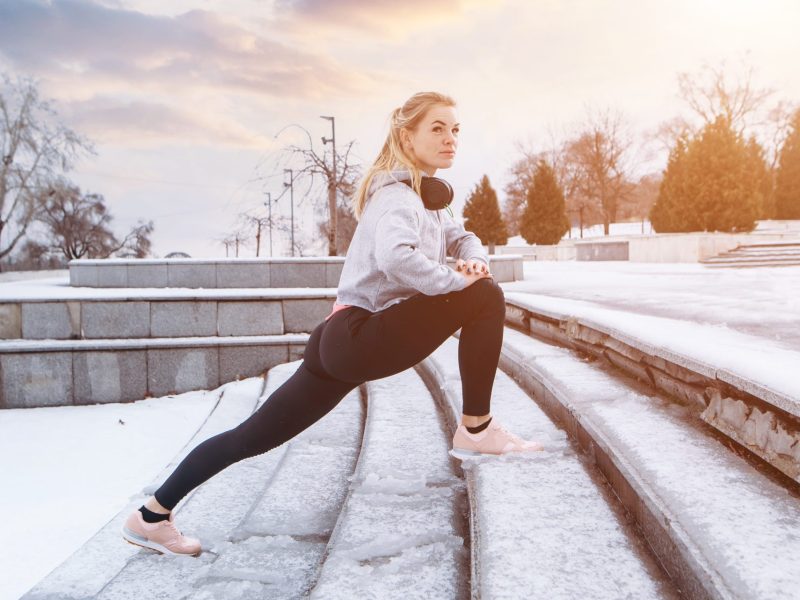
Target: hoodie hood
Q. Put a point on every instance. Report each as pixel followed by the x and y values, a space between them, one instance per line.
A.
pixel 382 179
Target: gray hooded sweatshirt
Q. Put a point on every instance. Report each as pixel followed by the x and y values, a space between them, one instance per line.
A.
pixel 399 248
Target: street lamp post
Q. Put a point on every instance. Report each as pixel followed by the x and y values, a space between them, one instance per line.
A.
pixel 331 188
pixel 269 206
pixel 290 185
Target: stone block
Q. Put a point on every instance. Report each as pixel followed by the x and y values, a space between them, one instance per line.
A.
pixel 519 270
pixel 36 379
pixel 303 315
pixel 243 275
pixel 601 251
pixel 146 275
pixel 502 270
pixel 238 362
pixel 178 370
pixel 50 320
pixel 296 352
pixel 116 319
pixel 119 376
pixel 112 275
pixel 192 275
pixel 83 276
pixel 10 321
pixel 297 274
pixel 255 317
pixel 183 319
pixel 333 272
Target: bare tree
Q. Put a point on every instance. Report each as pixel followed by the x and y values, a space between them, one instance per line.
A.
pixel 79 226
pixel 35 148
pixel 312 166
pixel 597 163
pixel 711 94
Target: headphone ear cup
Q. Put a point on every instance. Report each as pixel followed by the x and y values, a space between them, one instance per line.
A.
pixel 436 193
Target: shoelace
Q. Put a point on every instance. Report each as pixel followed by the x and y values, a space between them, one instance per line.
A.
pixel 174 529
pixel 514 438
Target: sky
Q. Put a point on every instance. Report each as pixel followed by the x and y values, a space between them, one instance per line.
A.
pixel 190 105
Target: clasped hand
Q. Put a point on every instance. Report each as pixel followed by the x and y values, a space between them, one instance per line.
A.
pixel 473 270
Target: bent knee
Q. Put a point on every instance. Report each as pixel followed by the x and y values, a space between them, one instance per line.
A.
pixel 493 293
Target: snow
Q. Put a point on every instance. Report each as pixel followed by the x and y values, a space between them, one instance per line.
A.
pixel 58 288
pixel 545 510
pixel 67 470
pixel 745 526
pixel 763 301
pixel 712 348
pixel 398 528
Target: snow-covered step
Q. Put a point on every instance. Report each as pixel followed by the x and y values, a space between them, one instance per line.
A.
pixel 272 536
pixel 721 528
pixel 103 557
pixel 400 534
pixel 543 525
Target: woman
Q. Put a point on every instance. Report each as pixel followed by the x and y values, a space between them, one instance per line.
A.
pixel 397 302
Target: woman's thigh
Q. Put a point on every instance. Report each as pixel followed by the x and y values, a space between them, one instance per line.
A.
pixel 357 345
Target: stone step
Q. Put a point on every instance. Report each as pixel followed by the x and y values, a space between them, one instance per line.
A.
pixel 67 372
pixel 721 528
pixel 243 515
pixel 271 547
pixel 314 271
pixel 744 393
pixel 88 571
pixel 543 525
pixel 749 264
pixel 58 313
pixel 401 533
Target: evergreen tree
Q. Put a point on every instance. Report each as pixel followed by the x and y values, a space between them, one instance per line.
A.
pixel 712 183
pixel 787 184
pixel 544 220
pixel 482 215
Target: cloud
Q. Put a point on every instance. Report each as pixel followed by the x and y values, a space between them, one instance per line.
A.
pixel 377 18
pixel 111 120
pixel 198 49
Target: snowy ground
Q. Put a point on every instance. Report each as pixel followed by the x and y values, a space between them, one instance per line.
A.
pixel 67 470
pixel 62 478
pixel 762 301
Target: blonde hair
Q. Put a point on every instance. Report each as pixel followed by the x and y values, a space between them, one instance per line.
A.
pixel 392 155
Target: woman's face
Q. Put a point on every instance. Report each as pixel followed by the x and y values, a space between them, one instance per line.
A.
pixel 433 143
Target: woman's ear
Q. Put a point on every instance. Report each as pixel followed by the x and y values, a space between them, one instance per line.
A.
pixel 405 139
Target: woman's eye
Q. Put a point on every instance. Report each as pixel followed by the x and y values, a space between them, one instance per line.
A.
pixel 437 129
pixel 456 131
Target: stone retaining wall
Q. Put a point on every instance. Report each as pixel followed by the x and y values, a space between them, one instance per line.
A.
pixel 761 420
pixel 64 373
pixel 315 272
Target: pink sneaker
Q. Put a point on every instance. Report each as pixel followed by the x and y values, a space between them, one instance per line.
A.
pixel 494 440
pixel 163 536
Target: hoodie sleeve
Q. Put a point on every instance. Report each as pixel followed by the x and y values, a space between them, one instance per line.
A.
pixel 461 243
pixel 398 255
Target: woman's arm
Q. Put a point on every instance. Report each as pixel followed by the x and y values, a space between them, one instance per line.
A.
pixel 399 257
pixel 461 243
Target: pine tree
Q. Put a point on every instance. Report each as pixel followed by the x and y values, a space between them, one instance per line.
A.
pixel 787 184
pixel 712 183
pixel 482 215
pixel 544 220
pixel 669 213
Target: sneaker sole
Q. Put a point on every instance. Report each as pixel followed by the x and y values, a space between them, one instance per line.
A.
pixel 462 454
pixel 137 540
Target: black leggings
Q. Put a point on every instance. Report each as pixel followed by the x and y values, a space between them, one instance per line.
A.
pixel 352 347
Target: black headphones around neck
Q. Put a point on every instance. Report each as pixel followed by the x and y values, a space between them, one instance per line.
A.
pixel 436 193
